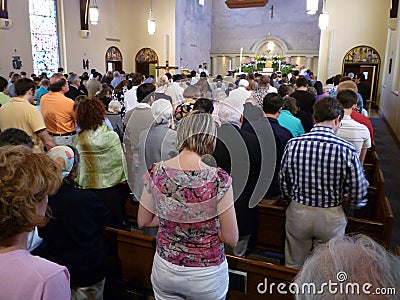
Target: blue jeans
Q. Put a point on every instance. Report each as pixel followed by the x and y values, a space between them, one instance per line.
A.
pixel 198 283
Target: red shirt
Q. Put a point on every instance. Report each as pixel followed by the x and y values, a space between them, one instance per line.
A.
pixel 356 116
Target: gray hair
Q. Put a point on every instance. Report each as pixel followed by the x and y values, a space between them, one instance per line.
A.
pixel 218 95
pixel 358 258
pixel 228 113
pixel 115 105
pixel 197 132
pixel 289 103
pixel 72 78
pixel 162 80
pixel 162 111
pixel 252 101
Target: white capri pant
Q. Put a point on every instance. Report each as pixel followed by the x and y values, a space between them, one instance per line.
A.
pixel 171 281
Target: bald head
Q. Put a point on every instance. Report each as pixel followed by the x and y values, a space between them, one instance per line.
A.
pixel 58 83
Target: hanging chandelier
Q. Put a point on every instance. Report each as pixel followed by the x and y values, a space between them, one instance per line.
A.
pixel 312 7
pixel 94 13
pixel 151 23
pixel 323 21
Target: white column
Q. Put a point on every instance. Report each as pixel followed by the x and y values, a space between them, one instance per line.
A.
pixel 323 55
pixel 309 63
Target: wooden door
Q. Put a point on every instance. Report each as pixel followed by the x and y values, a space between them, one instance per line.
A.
pixel 142 68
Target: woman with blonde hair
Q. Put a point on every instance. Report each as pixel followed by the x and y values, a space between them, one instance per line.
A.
pixel 26 180
pixel 192 203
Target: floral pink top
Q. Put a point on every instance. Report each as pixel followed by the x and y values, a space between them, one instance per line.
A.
pixel 186 204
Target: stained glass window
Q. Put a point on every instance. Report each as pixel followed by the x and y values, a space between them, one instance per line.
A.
pixel 44 35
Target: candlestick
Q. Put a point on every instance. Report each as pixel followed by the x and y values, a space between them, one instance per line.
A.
pixel 166 47
pixel 240 60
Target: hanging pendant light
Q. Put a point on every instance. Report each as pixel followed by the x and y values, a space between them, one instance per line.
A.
pixel 323 21
pixel 94 13
pixel 151 23
pixel 312 7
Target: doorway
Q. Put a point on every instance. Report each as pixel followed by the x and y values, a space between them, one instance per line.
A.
pixel 146 62
pixel 366 60
pixel 113 59
pixel 114 66
pixel 146 69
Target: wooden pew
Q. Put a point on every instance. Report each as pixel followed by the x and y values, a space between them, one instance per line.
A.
pixel 271 228
pixel 271 231
pixel 376 217
pixel 371 168
pixel 131 209
pixel 381 230
pixel 257 274
pixel 131 259
pixel 376 195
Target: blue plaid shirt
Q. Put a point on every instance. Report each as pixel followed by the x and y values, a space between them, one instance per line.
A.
pixel 319 168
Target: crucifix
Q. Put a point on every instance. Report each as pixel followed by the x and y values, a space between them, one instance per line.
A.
pixel 167 67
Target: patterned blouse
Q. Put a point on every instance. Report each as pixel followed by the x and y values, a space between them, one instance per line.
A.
pixel 186 204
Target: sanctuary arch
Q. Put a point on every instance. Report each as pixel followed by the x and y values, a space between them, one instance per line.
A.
pixel 146 61
pixel 113 59
pixel 364 59
pixel 270 46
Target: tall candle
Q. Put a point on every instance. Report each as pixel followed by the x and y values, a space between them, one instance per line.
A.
pixel 166 47
pixel 240 60
pixel 230 64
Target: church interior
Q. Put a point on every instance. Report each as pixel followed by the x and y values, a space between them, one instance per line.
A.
pixel 155 36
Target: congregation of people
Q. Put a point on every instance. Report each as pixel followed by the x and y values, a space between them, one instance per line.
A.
pixel 198 154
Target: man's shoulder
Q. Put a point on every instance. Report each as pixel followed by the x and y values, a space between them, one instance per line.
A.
pixel 131 91
pixel 322 137
pixel 353 124
pixel 281 131
pixel 360 118
pixel 300 93
pixel 138 115
pixel 248 137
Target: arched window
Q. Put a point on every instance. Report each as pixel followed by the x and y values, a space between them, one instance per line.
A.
pixel 44 35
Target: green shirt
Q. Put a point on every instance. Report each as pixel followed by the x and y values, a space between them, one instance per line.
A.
pixel 4 98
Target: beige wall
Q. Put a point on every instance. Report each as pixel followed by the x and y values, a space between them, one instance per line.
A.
pixel 125 20
pixel 389 100
pixel 351 23
pixel 16 40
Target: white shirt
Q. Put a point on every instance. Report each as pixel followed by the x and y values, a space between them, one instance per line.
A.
pixel 178 90
pixel 355 133
pixel 272 89
pixel 240 93
pixel 130 98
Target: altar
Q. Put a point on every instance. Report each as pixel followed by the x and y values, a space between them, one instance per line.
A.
pixel 267 55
